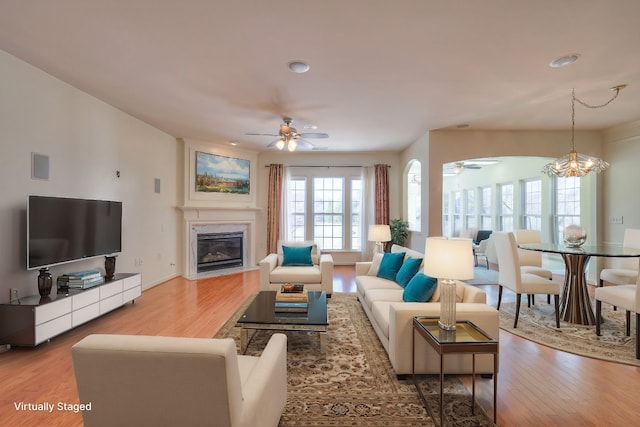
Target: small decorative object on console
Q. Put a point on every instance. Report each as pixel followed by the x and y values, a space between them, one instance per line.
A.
pixel 109 267
pixel 44 282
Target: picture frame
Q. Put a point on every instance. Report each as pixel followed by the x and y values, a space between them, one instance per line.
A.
pixel 216 173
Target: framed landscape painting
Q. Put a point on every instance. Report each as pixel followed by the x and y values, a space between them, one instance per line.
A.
pixel 221 174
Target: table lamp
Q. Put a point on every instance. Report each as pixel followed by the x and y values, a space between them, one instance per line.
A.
pixel 448 260
pixel 379 233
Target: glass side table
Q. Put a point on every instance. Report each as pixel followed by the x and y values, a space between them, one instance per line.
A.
pixel 467 338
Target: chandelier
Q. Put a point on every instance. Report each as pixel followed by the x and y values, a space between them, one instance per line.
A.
pixel 574 163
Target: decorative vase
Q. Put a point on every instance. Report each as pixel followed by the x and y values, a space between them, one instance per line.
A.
pixel 109 267
pixel 45 282
pixel 574 236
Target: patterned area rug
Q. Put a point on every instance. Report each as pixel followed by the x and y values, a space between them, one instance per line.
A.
pixel 353 384
pixel 538 324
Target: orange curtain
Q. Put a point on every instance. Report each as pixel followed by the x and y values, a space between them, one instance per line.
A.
pixel 382 194
pixel 274 206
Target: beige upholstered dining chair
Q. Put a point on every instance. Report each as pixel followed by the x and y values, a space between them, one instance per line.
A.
pixel 626 297
pixel 531 261
pixel 627 274
pixel 135 380
pixel 511 277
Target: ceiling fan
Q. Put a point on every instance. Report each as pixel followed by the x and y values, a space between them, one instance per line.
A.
pixel 289 137
pixel 456 168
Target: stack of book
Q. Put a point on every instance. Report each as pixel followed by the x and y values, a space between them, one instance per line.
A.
pixel 292 299
pixel 81 279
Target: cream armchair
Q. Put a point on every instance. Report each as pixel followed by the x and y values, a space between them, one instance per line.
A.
pixel 135 380
pixel 318 276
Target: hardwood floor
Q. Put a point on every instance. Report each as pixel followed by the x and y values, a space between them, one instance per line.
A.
pixel 536 385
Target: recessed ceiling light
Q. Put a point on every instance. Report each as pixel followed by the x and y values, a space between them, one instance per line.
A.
pixel 463 125
pixel 298 67
pixel 564 60
pixel 234 143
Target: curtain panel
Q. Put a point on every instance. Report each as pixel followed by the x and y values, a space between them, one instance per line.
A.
pixel 274 206
pixel 381 194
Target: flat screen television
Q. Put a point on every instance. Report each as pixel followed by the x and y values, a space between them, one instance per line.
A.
pixel 61 230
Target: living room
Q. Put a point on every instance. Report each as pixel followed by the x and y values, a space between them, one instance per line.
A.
pixel 99 150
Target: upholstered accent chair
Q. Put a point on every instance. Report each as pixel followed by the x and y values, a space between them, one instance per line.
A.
pixel 531 261
pixel 316 272
pixel 626 297
pixel 511 277
pixel 135 380
pixel 480 243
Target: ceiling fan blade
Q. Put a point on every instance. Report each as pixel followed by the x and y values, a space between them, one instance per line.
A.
pixel 261 134
pixel 304 144
pixel 314 135
pixel 273 143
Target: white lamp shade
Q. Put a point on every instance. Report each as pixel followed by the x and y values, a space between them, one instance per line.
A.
pixel 448 258
pixel 379 233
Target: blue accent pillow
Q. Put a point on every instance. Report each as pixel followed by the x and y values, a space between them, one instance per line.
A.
pixel 409 269
pixel 390 264
pixel 296 256
pixel 420 288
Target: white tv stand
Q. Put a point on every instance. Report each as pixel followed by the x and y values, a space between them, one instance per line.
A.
pixel 32 320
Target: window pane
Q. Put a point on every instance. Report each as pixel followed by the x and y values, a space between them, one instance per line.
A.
pixel 356 220
pixel 296 196
pixel 328 212
pixel 414 192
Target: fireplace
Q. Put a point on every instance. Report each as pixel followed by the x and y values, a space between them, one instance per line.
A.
pixel 219 250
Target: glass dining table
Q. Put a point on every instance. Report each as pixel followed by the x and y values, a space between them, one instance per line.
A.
pixel 575 303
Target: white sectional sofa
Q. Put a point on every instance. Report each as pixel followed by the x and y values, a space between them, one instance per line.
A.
pixel 392 319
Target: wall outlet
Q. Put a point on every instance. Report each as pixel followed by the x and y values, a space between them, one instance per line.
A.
pixel 13 295
pixel 615 219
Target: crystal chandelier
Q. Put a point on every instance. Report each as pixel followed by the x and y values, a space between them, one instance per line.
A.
pixel 574 163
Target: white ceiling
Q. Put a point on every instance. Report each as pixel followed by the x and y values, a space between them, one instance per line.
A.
pixel 383 73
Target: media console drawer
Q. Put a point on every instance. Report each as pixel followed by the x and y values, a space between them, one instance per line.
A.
pixel 52 310
pixel 110 289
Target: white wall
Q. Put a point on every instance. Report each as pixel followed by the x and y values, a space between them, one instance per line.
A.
pixel 87 141
pixel 621 182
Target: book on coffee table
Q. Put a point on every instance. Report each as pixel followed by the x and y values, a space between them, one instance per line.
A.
pixel 292 296
pixel 295 288
pixel 291 307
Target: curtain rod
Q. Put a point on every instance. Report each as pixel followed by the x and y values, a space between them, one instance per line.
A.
pixel 316 166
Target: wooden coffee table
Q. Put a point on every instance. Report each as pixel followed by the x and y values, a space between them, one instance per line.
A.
pixel 261 315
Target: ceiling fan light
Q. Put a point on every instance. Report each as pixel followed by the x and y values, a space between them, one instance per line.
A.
pixel 292 145
pixel 280 144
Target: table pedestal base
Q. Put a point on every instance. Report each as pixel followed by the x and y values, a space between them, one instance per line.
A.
pixel 575 304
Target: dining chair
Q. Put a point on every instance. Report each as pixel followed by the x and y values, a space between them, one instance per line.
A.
pixel 623 296
pixel 510 276
pixel 628 274
pixel 531 261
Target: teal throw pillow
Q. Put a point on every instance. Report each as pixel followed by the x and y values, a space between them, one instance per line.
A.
pixel 296 256
pixel 420 288
pixel 409 269
pixel 390 264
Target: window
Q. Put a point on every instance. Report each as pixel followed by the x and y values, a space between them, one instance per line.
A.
pixel 532 204
pixel 457 213
pixel 566 204
pixel 485 213
pixel 356 216
pixel 445 214
pixel 296 208
pixel 414 190
pixel 506 207
pixel 470 211
pixel 327 209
